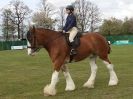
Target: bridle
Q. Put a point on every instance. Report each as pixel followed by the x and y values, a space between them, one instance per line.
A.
pixel 34 44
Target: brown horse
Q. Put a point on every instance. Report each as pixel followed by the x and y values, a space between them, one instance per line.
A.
pixel 92 45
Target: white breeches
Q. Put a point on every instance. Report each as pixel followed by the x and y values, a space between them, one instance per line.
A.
pixel 73 32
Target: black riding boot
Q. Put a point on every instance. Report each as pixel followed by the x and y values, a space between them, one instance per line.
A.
pixel 73 49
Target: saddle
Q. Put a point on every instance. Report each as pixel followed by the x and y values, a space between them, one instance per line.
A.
pixel 76 39
pixel 76 42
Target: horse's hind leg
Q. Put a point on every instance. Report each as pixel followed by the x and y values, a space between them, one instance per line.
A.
pixel 91 80
pixel 69 82
pixel 113 77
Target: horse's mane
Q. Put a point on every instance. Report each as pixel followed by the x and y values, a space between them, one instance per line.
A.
pixel 49 30
pixel 53 32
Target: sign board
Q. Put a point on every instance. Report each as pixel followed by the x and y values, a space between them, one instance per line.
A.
pixel 18 47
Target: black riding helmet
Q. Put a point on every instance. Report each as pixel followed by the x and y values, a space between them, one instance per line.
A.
pixel 70 7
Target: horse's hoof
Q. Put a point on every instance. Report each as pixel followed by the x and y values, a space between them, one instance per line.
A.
pixel 113 83
pixel 70 88
pixel 49 91
pixel 88 85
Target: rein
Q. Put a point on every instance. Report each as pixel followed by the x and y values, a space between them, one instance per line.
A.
pixel 51 40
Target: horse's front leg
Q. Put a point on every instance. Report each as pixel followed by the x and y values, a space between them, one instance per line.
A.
pixel 69 82
pixel 50 89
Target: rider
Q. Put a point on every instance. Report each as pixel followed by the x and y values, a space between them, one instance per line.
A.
pixel 71 27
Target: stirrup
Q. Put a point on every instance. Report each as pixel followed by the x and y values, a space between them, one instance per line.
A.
pixel 73 52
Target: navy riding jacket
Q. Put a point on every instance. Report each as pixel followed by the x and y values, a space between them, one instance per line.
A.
pixel 70 22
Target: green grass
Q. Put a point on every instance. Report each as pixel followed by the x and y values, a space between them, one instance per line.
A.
pixel 24 77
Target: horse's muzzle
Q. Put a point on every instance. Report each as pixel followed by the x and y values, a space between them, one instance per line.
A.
pixel 30 52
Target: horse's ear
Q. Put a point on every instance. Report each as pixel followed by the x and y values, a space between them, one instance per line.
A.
pixel 30 26
pixel 33 29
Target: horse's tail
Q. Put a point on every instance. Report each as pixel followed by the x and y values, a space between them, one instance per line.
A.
pixel 109 47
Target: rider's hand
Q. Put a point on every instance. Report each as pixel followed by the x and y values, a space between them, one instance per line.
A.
pixel 63 31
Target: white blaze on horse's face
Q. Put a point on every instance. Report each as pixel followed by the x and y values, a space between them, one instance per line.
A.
pixel 29 49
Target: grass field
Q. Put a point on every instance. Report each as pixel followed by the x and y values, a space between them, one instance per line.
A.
pixel 24 77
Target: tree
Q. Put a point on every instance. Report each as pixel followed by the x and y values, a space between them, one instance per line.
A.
pixel 19 12
pixel 61 18
pixel 8 27
pixel 94 17
pixel 41 21
pixel 127 27
pixel 88 15
pixel 43 16
pixel 111 27
pixel 47 8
